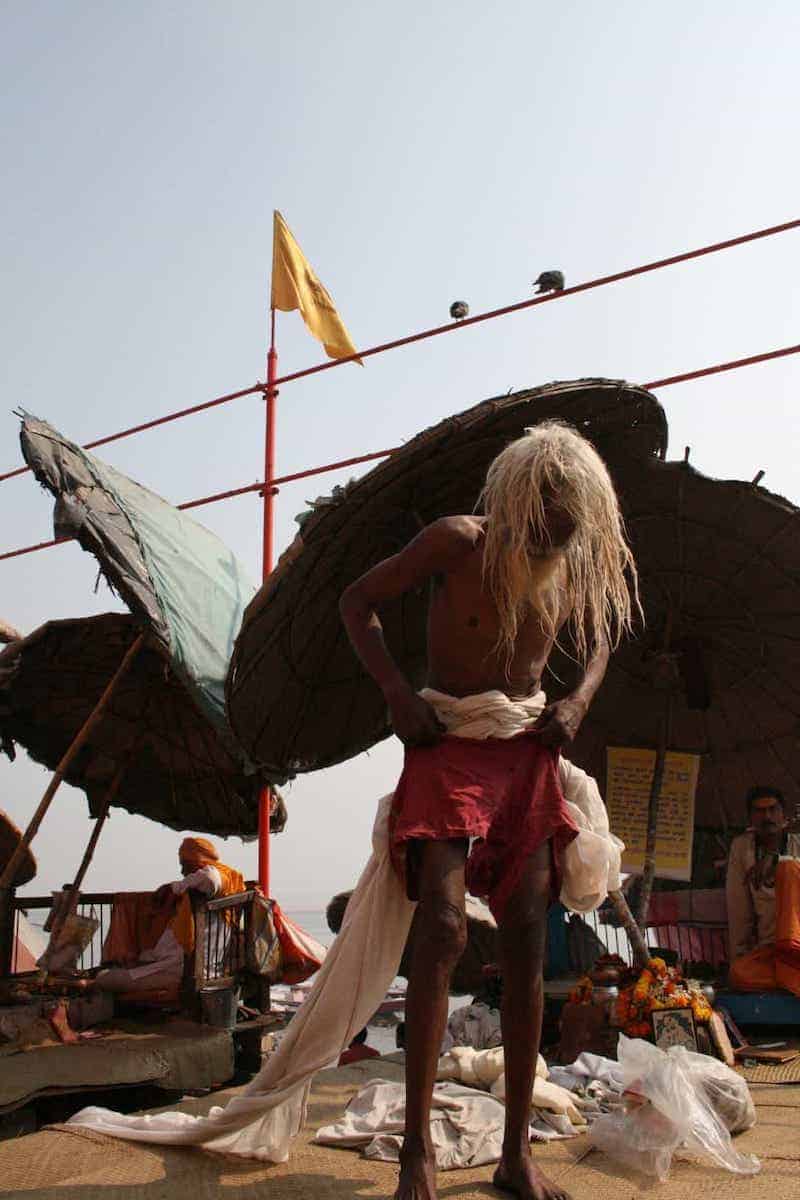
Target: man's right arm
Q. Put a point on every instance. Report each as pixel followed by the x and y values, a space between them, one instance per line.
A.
pixel 435 550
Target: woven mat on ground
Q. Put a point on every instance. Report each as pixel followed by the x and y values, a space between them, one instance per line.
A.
pixel 772 1072
pixel 177 1055
pixel 64 1163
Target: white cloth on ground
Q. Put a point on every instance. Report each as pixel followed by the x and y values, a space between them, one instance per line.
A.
pixel 466 1125
pixel 359 968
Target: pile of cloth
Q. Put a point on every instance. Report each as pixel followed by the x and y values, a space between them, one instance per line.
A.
pixel 467 1116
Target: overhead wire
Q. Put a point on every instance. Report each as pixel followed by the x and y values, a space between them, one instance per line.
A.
pixel 668 381
pixel 575 289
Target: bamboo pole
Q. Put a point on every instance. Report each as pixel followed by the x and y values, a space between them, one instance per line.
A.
pixel 69 898
pixel 77 744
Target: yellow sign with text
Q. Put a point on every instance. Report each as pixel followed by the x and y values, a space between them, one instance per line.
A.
pixel 629 776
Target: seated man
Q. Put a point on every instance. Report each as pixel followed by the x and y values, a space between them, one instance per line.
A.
pixel 161 966
pixel 763 897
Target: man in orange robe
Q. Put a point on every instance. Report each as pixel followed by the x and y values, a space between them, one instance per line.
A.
pixel 763 896
pixel 160 965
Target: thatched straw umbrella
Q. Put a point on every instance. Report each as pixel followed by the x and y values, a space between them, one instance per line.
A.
pixel 177 769
pixel 298 698
pixel 714 671
pixel 187 592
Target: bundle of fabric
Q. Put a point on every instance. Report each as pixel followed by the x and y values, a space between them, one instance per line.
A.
pixel 467 1116
pixel 554 1106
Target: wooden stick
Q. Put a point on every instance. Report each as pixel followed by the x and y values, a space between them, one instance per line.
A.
pixel 69 901
pixel 113 788
pixel 641 953
pixel 77 744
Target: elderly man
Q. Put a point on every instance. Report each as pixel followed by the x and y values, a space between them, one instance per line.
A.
pixel 160 966
pixel 763 896
pixel 549 550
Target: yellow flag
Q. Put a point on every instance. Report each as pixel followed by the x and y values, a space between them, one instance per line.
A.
pixel 295 286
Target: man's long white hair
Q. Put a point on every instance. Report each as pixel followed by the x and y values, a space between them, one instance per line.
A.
pixel 552 464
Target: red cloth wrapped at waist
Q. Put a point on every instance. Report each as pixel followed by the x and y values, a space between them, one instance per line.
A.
pixel 503 791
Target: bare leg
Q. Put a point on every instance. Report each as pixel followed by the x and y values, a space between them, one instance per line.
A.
pixel 439 932
pixel 522 941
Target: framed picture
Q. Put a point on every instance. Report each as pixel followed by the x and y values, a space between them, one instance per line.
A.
pixel 674 1027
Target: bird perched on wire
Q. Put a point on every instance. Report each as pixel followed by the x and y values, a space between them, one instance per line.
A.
pixel 459 310
pixel 549 281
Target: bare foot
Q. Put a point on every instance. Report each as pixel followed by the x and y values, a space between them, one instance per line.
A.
pixel 417 1175
pixel 523 1177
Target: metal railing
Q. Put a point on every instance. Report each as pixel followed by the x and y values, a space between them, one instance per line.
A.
pixel 222 928
pixel 96 905
pixel 220 942
pixel 588 937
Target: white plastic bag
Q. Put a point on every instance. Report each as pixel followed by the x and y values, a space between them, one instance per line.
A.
pixel 667 1106
pixel 727 1092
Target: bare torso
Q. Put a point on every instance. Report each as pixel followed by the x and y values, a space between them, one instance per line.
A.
pixel 463 625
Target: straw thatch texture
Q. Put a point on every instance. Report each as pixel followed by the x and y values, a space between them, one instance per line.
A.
pixel 719 565
pixel 298 699
pixel 180 772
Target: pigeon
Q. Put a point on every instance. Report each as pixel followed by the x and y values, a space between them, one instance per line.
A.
pixel 549 281
pixel 459 310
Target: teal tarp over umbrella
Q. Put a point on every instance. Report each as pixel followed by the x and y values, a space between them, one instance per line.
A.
pixel 177 577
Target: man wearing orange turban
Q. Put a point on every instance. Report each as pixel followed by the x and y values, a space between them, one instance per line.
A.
pixel 160 965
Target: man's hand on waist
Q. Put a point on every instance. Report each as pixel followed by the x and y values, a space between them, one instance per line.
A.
pixel 413 719
pixel 560 722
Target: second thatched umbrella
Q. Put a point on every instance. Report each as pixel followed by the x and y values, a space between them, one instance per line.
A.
pixel 178 771
pixel 715 670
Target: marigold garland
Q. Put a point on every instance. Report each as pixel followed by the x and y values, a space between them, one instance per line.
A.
pixel 658 987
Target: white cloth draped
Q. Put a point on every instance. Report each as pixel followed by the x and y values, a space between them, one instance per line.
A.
pixel 360 966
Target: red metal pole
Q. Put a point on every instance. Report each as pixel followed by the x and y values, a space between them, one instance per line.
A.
pixel 267 559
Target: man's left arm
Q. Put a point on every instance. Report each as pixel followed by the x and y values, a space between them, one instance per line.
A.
pixel 206 881
pixel 560 722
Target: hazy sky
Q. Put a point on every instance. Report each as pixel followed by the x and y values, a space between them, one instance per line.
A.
pixel 419 157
